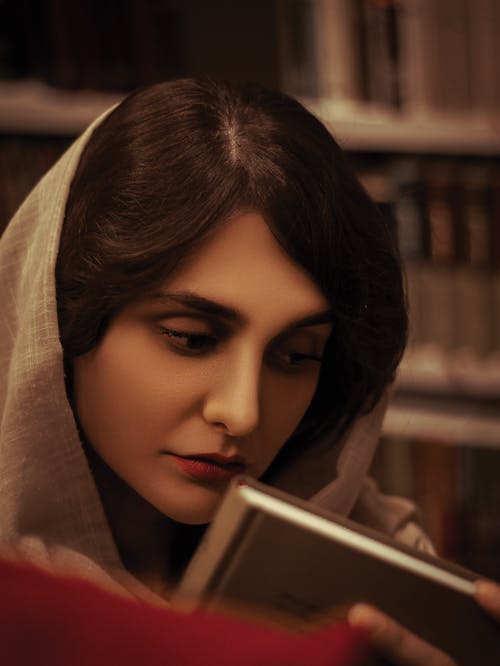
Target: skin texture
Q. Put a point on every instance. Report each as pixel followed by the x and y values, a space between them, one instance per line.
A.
pixel 168 380
pixel 488 596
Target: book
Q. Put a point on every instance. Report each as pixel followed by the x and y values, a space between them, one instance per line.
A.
pixel 416 55
pixel 474 297
pixel 296 32
pixel 437 323
pixel 338 52
pixel 411 233
pixel 270 552
pixel 436 480
pixel 483 18
pixel 380 52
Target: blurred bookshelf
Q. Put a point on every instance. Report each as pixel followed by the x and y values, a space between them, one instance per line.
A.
pixel 32 107
pixel 411 90
pixel 362 129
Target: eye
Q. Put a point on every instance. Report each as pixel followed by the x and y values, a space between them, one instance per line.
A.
pixel 292 361
pixel 189 343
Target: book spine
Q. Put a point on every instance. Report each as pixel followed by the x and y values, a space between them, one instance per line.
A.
pixel 452 87
pixel 474 293
pixel 417 40
pixel 379 29
pixel 437 274
pixel 409 214
pixel 409 209
pixel 495 256
pixel 436 494
pixel 394 467
pixel 297 49
pixel 23 160
pixel 338 51
pixel 483 51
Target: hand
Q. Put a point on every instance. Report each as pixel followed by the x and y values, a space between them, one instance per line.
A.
pixel 395 642
pixel 488 597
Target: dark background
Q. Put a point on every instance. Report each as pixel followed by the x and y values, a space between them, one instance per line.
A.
pixel 117 46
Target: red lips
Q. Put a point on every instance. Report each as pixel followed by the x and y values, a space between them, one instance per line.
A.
pixel 219 459
pixel 210 467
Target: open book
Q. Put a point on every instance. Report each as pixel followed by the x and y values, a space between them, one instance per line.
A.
pixel 270 552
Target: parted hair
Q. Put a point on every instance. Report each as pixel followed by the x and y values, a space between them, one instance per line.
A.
pixel 174 161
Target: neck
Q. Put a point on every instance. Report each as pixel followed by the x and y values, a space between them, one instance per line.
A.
pixel 151 546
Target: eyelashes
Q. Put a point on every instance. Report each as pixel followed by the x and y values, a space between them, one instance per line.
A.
pixel 188 343
pixel 298 357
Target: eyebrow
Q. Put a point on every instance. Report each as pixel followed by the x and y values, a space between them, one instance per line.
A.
pixel 207 306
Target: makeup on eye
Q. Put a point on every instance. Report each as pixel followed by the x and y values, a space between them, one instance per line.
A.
pixel 192 334
pixel 190 343
pixel 199 336
pixel 296 355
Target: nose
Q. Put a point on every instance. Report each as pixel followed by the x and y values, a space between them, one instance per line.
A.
pixel 232 402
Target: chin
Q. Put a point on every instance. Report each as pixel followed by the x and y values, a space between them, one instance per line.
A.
pixel 198 507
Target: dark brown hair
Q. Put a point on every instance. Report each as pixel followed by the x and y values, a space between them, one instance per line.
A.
pixel 174 161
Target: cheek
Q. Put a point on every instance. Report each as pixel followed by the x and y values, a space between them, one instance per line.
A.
pixel 127 392
pixel 285 405
pixel 106 404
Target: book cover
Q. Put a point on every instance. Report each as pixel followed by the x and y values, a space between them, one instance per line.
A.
pixel 268 551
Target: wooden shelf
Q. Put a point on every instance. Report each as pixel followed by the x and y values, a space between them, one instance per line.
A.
pixel 449 398
pixel 32 107
pixel 360 129
pixel 462 374
pixel 432 424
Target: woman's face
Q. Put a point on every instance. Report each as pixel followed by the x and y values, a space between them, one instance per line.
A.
pixel 209 376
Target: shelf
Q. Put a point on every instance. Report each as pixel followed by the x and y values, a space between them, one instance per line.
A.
pixel 360 129
pixel 450 398
pixel 32 107
pixel 462 374
pixel 431 424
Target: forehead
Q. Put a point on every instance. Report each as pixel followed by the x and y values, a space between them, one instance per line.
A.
pixel 243 266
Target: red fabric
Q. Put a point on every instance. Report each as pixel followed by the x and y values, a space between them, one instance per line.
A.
pixel 50 620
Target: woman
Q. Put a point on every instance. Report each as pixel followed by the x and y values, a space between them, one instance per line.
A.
pixel 199 287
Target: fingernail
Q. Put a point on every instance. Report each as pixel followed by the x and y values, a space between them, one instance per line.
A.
pixel 487 590
pixel 363 616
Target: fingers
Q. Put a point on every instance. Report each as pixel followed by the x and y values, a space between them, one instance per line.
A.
pixel 394 641
pixel 488 596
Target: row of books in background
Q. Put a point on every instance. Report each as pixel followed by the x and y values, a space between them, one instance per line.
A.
pixel 97 45
pixel 23 160
pixel 445 215
pixel 457 491
pixel 119 45
pixel 412 55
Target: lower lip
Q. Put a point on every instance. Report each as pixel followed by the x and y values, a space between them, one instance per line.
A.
pixel 208 471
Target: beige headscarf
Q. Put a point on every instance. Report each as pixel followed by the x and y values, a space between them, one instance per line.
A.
pixel 48 499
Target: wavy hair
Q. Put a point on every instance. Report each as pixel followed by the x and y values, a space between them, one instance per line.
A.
pixel 175 160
